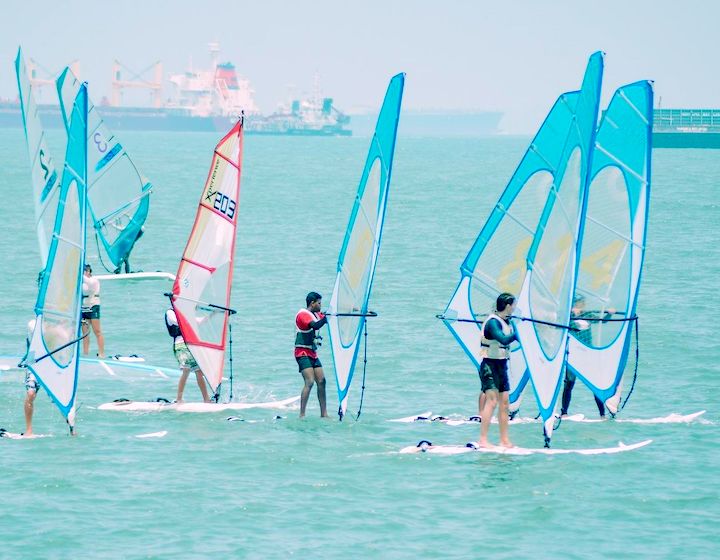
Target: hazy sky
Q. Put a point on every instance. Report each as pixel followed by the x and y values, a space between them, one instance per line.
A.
pixel 511 56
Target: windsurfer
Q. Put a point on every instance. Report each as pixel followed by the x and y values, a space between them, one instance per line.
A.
pixel 31 386
pixel 91 312
pixel 580 322
pixel 495 338
pixel 184 357
pixel 307 322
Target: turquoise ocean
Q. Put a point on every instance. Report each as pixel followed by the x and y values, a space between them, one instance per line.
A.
pixel 279 488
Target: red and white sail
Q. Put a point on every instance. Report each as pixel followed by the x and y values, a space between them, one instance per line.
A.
pixel 201 293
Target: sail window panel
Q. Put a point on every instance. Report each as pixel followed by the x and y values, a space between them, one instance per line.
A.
pixel 211 239
pixel 553 263
pixel 370 201
pixel 348 302
pixel 60 305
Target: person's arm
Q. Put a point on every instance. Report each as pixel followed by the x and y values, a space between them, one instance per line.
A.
pixel 320 323
pixel 493 331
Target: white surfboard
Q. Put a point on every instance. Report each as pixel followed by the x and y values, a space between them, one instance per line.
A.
pixel 456 420
pixel 142 406
pixel 135 276
pixel 152 435
pixel 426 447
pixel 13 435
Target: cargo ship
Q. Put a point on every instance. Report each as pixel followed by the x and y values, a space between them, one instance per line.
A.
pixel 209 100
pixel 686 128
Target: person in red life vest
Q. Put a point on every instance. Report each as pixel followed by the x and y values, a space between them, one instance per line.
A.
pixel 307 322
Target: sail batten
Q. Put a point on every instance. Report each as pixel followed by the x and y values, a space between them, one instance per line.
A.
pixel 358 256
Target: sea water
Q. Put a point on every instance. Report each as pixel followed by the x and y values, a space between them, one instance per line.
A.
pixel 277 488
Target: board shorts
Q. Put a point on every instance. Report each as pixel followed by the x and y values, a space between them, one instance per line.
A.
pixel 185 357
pixel 31 383
pixel 305 362
pixel 494 375
pixel 92 313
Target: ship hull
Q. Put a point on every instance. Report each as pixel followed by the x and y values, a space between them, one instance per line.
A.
pixel 708 140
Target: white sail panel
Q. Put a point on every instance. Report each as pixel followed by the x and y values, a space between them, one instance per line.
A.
pixel 45 177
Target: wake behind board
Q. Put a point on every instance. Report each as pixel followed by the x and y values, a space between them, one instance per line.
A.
pixel 427 447
pixel 456 420
pixel 143 406
pixel 136 276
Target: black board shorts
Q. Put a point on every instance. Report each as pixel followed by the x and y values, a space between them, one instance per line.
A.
pixel 92 313
pixel 494 375
pixel 305 362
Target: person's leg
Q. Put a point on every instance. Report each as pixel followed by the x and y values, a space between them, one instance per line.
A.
pixel 181 384
pixel 600 405
pixel 503 419
pixel 86 340
pixel 309 379
pixel 322 398
pixel 481 403
pixel 567 393
pixel 29 409
pixel 99 336
pixel 201 383
pixel 491 399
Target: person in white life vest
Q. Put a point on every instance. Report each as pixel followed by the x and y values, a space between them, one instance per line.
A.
pixel 91 312
pixel 184 358
pixel 495 338
pixel 307 322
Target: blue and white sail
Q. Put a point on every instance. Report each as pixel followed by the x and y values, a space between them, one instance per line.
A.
pixel 45 178
pixel 612 241
pixel 359 252
pixel 547 290
pixel 53 353
pixel 496 262
pixel 118 194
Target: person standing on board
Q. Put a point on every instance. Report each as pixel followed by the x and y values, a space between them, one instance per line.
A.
pixel 91 312
pixel 582 331
pixel 31 385
pixel 184 358
pixel 495 338
pixel 307 322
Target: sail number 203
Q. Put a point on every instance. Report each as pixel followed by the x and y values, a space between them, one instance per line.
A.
pixel 225 204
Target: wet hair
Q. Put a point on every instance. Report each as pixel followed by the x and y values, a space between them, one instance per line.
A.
pixel 312 297
pixel 503 300
pixel 87 267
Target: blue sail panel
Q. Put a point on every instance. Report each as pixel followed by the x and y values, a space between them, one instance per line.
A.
pixel 358 255
pixel 547 290
pixel 53 354
pixel 612 243
pixel 118 194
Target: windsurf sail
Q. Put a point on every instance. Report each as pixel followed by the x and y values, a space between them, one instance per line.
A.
pixel 348 309
pixel 547 290
pixel 612 243
pixel 53 353
pixel 496 263
pixel 546 294
pixel 118 194
pixel 201 291
pixel 45 178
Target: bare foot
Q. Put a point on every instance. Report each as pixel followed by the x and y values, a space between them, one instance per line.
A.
pixel 507 443
pixel 484 443
pixel 302 416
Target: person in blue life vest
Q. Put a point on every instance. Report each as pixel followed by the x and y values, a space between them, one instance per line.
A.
pixel 581 325
pixel 495 338
pixel 307 322
pixel 184 358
